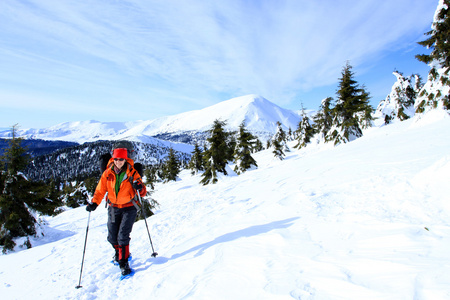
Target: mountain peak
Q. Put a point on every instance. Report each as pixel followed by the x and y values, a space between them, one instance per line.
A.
pixel 260 115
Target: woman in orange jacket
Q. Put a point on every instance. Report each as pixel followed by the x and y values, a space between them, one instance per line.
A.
pixel 119 181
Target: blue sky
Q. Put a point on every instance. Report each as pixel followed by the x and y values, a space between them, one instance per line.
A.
pixel 72 60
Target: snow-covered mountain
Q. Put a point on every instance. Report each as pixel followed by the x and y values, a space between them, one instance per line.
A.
pixel 259 114
pixel 365 220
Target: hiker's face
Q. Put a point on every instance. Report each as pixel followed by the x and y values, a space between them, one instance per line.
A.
pixel 119 162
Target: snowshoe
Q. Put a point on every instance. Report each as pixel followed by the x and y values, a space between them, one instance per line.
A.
pixel 122 277
pixel 125 270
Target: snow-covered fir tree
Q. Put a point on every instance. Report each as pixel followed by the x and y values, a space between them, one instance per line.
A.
pixel 151 176
pixel 290 134
pixel 305 131
pixel 278 149
pixel 216 157
pixel 436 91
pixel 418 84
pixel 281 137
pixel 365 116
pixel 279 142
pixel 258 146
pixel 196 162
pixel 231 143
pixel 242 154
pixel 171 167
pixel 399 104
pixel 15 219
pixel 75 193
pixel 323 119
pixel 20 199
pixel 350 110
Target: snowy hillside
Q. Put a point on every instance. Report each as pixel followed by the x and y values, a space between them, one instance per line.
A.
pixel 365 220
pixel 260 115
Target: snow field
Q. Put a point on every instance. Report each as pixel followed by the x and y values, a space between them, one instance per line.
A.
pixel 364 220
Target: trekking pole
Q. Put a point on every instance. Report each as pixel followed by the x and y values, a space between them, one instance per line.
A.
pixel 154 254
pixel 84 251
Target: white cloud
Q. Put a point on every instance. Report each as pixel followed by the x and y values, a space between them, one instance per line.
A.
pixel 274 48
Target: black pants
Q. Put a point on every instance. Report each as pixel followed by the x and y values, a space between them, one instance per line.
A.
pixel 120 224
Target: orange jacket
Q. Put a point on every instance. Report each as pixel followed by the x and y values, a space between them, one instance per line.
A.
pixel 126 193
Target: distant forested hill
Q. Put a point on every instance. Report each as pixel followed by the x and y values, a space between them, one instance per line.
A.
pixel 38 147
pixel 82 161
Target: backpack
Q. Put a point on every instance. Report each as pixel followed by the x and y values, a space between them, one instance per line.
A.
pixel 104 158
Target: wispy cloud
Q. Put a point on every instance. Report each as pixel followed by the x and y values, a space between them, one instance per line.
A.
pixel 201 48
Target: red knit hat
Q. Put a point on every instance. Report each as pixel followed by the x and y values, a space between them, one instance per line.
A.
pixel 120 153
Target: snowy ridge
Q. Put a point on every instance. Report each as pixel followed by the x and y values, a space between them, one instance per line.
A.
pixel 260 115
pixel 365 220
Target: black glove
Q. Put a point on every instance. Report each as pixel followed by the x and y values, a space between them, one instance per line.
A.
pixel 137 186
pixel 91 207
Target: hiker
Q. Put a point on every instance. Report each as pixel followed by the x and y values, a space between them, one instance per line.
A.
pixel 121 181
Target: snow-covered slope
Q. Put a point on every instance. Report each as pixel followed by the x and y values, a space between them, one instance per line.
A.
pixel 365 220
pixel 260 115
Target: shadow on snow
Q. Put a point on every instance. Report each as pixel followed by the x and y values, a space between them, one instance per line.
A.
pixel 228 237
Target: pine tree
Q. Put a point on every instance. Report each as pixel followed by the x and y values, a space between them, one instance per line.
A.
pixel 410 98
pixel 15 218
pixel 196 162
pixel 290 135
pixel 304 132
pixel 439 40
pixel 216 157
pixel 150 176
pixel 15 156
pixel 435 92
pixel 278 150
pixel 279 142
pixel 399 104
pixel 323 119
pixel 147 202
pixel 242 154
pixel 258 146
pixel 352 102
pixel 43 197
pixel 365 116
pixel 231 143
pixel 280 135
pixel 171 167
pixel 418 84
pixel 55 196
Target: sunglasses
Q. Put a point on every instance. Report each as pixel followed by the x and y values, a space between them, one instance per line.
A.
pixel 119 159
